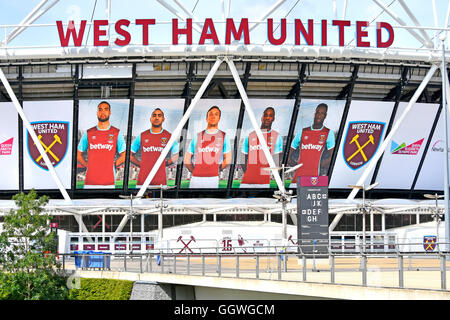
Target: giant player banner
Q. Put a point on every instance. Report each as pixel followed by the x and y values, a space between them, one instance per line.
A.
pixel 210 143
pixel 52 122
pixel 313 142
pixel 9 142
pixel 272 116
pixel 101 137
pixel 154 121
pixel 101 145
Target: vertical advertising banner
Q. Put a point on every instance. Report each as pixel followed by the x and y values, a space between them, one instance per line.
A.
pixel 431 176
pixel 364 131
pixel 9 150
pixel 401 160
pixel 210 143
pixel 273 116
pixel 154 121
pixel 312 212
pixel 52 122
pixel 314 139
pixel 102 132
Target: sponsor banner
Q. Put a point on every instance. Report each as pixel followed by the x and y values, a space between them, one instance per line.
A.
pixel 401 159
pixel 209 153
pixel 273 117
pixel 312 208
pixel 9 158
pixel 154 121
pixel 432 172
pixel 364 132
pixel 314 138
pixel 101 144
pixel 411 149
pixel 6 147
pixel 52 123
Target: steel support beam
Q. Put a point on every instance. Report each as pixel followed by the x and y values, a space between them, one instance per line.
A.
pixel 401 22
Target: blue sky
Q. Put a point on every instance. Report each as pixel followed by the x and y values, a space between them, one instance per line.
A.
pixel 12 12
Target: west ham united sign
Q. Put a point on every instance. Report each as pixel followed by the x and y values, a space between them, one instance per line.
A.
pixel 54 138
pixel 361 142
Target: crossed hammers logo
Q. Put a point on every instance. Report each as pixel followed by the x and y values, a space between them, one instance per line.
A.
pixel 48 148
pixel 186 245
pixel 360 148
pixel 430 245
pixel 290 239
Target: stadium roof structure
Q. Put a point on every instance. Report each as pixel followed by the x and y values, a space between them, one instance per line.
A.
pixel 36 65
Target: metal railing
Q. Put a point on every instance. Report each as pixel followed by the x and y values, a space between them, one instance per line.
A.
pixel 304 263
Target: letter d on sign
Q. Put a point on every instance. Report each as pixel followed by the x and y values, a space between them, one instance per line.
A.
pixel 390 41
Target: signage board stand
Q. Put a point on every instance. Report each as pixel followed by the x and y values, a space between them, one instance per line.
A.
pixel 312 208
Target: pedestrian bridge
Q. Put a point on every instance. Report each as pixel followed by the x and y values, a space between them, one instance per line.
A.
pixel 276 276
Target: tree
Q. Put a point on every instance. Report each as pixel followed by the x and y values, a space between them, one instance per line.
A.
pixel 28 260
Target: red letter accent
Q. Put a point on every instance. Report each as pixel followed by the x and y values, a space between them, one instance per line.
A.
pixel 209 24
pixel 98 33
pixel 65 38
pixel 341 25
pixel 145 23
pixel 187 31
pixel 231 28
pixel 324 32
pixel 282 38
pixel 308 36
pixel 388 27
pixel 124 33
pixel 360 33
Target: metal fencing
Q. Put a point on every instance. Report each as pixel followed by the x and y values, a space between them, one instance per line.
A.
pixel 301 263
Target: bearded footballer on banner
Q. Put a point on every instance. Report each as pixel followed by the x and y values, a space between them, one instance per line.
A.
pixel 101 143
pixel 312 141
pixel 151 143
pixel 255 175
pixel 208 147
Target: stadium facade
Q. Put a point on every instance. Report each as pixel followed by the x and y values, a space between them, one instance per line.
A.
pixel 385 121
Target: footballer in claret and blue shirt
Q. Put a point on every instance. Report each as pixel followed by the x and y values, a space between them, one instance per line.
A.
pixel 101 142
pixel 255 175
pixel 316 144
pixel 212 150
pixel 151 143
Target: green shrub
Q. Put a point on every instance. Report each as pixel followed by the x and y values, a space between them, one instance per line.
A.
pixel 34 285
pixel 102 289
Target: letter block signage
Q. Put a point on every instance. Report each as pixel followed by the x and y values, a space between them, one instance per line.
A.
pixel 312 213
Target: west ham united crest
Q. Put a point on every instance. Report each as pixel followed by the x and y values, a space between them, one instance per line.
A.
pixel 429 243
pixel 54 138
pixel 361 142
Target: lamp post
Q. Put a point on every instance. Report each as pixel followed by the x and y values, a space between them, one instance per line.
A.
pixel 443 37
pixel 284 196
pixel 436 216
pixel 161 205
pixel 131 215
pixel 364 208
